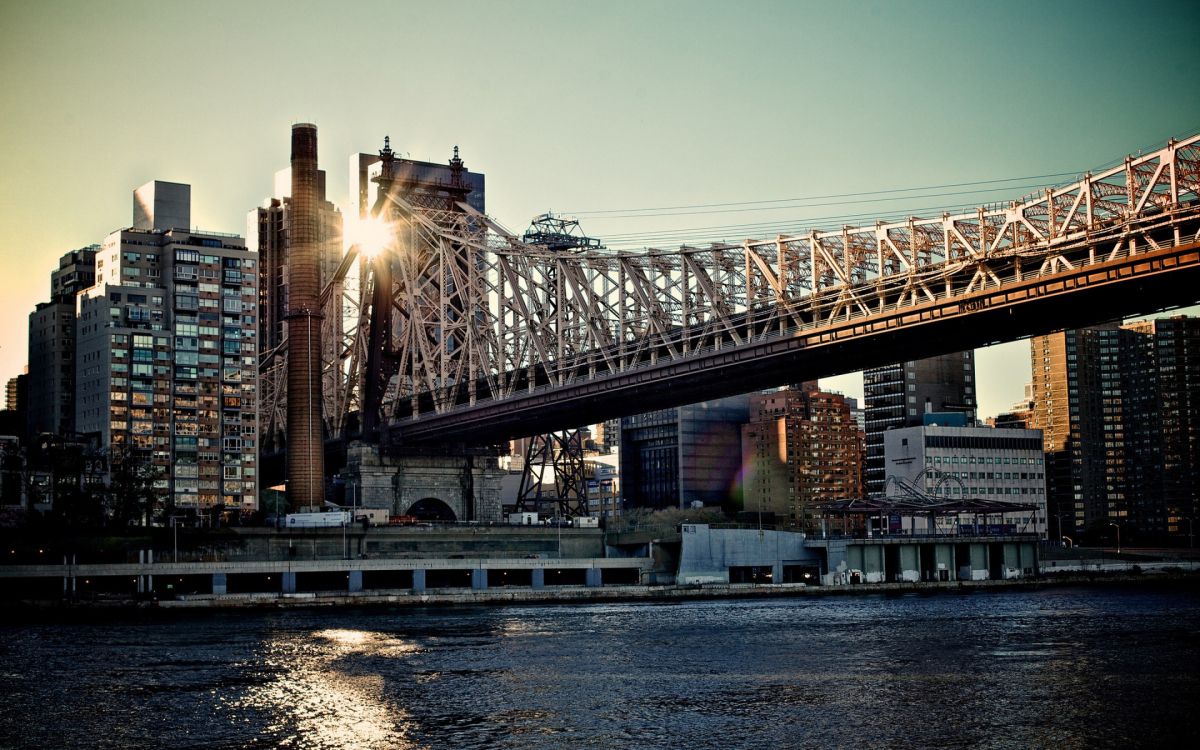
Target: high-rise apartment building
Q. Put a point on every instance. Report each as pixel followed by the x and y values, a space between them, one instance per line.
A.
pixel 671 458
pixel 167 354
pixel 267 231
pixel 801 448
pixel 51 405
pixel 1119 407
pixel 1019 415
pixel 900 395
pixel 16 391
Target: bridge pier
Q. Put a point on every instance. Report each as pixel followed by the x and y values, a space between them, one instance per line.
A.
pixel 466 482
pixel 289 582
pixel 220 584
pixel 593 577
pixel 355 584
pixel 537 578
pixel 418 585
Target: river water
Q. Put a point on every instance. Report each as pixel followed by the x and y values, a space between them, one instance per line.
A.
pixel 1054 668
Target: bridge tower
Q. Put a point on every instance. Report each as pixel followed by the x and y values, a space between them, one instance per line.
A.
pixel 460 481
pixel 559 452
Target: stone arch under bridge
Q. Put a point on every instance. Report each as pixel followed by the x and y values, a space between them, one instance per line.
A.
pixel 468 486
pixel 431 509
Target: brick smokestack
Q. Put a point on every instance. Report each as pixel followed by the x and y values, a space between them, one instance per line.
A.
pixel 305 443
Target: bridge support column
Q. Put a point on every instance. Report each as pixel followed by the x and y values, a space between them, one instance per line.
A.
pixel 537 578
pixel 593 577
pixel 469 485
pixel 418 581
pixel 777 572
pixel 289 582
pixel 479 579
pixel 220 584
pixel 355 583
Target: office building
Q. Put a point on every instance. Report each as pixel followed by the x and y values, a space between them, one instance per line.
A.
pixel 802 448
pixel 51 393
pixel 167 354
pixel 899 395
pixel 672 458
pixel 968 463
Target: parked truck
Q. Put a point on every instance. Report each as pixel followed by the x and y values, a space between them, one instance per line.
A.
pixel 318 520
pixel 373 516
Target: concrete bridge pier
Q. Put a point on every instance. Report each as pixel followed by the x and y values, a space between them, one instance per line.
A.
pixel 220 584
pixel 592 577
pixel 289 582
pixel 418 585
pixel 355 583
pixel 537 578
pixel 479 579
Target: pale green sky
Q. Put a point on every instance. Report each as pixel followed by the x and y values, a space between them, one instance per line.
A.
pixel 571 106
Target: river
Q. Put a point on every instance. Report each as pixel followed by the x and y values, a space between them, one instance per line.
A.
pixel 1070 667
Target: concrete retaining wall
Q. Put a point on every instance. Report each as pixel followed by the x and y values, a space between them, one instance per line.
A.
pixel 707 554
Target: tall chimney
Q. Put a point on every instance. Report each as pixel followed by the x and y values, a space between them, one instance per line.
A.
pixel 305 443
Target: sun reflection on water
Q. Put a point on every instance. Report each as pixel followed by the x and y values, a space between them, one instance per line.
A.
pixel 316 701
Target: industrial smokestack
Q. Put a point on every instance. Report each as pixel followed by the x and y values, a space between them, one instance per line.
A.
pixel 305 443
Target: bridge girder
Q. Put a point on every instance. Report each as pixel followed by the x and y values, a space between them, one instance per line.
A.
pixel 493 337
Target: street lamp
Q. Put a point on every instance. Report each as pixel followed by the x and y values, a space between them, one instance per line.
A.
pixel 345 541
pixel 175 536
pixel 1110 523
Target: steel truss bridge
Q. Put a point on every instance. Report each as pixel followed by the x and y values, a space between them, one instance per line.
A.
pixel 480 336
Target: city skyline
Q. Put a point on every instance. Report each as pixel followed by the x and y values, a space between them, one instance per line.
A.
pixel 672 105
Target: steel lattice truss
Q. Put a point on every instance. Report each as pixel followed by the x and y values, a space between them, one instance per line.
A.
pixel 477 314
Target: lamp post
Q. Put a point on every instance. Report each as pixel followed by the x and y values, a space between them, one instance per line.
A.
pixel 1110 523
pixel 175 536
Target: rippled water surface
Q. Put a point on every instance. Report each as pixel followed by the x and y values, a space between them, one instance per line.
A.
pixel 1060 668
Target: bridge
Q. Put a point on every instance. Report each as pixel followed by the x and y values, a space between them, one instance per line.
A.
pixel 466 333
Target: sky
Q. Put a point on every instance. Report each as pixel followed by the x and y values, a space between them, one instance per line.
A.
pixel 600 109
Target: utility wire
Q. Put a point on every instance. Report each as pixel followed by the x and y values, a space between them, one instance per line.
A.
pixel 595 212
pixel 742 230
pixel 819 205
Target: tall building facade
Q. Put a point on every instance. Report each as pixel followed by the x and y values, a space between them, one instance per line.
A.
pixel 16 392
pixel 167 354
pixel 801 448
pixel 1119 407
pixel 671 458
pixel 267 231
pixel 51 405
pixel 900 395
